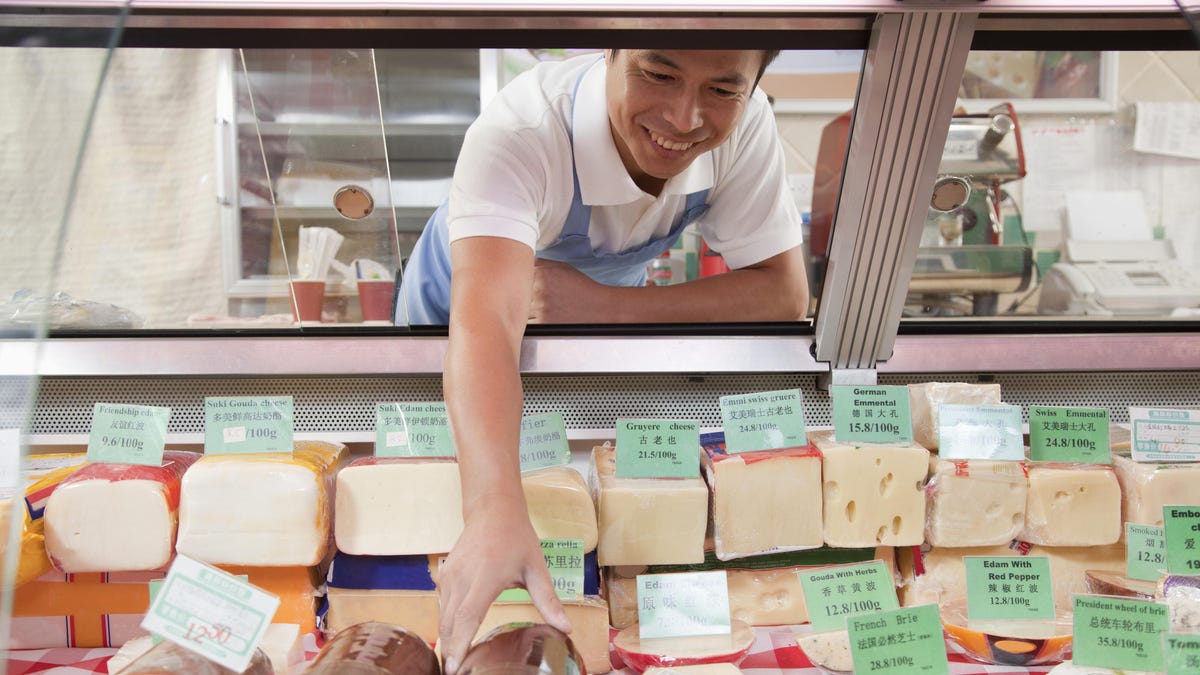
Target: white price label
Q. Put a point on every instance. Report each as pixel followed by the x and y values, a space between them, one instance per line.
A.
pixel 397 439
pixel 234 434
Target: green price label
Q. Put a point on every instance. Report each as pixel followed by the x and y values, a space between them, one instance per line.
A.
pixel 876 414
pixel 980 432
pixel 412 430
pixel 658 449
pixel 544 442
pixel 1069 435
pixel 1009 588
pixel 133 434
pixel 210 612
pixel 833 594
pixel 1181 527
pixel 1118 633
pixel 765 421
pixel 1165 435
pixel 1145 552
pixel 235 425
pixel 1182 653
pixel 564 559
pixel 683 604
pixel 904 641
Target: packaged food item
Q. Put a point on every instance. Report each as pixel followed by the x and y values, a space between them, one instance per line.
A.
pixel 1025 642
pixel 523 649
pixel 1101 582
pixel 828 650
pixel 589 626
pixel 1182 595
pixel 43 474
pixel 398 506
pixel 375 648
pixel 1147 487
pixel 641 654
pixel 925 398
pixel 1072 505
pixel 168 658
pixel 974 502
pixel 560 505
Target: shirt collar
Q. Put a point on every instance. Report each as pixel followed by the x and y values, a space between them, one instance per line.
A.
pixel 602 176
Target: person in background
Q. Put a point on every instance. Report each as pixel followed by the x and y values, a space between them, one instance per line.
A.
pixel 579 174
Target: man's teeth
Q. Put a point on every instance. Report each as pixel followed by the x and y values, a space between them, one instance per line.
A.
pixel 669 145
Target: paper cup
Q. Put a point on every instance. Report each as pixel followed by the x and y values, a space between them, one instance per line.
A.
pixel 307 299
pixel 375 299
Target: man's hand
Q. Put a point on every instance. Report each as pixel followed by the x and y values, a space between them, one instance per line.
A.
pixel 498 549
pixel 563 294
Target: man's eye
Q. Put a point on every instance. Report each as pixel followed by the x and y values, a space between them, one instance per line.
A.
pixel 657 77
pixel 724 93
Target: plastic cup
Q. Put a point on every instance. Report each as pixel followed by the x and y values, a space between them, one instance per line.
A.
pixel 308 298
pixel 375 299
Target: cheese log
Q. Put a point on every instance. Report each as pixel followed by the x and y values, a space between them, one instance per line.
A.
pixel 924 399
pixel 560 506
pixel 116 517
pixel 938 576
pixel 589 624
pixel 763 501
pixel 168 658
pixel 398 506
pixel 43 474
pixel 1146 488
pixel 415 610
pixel 647 521
pixel 874 492
pixel 1072 505
pixel 375 647
pixel 268 509
pixel 975 502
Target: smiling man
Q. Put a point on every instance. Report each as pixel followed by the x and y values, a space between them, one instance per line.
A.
pixel 574 178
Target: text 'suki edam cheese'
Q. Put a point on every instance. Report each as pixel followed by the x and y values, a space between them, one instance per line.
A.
pixel 270 509
pixel 398 506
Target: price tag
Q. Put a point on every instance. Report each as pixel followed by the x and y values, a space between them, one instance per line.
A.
pixel 1118 633
pixel 980 432
pixel 683 604
pixel 243 424
pixel 544 442
pixel 211 612
pixel 1182 653
pixel 412 430
pixel 834 594
pixel 1009 588
pixel 10 466
pixel 765 421
pixel 1145 552
pixel 564 558
pixel 871 414
pixel 1181 527
pixel 1164 435
pixel 1069 435
pixel 658 449
pixel 133 434
pixel 899 642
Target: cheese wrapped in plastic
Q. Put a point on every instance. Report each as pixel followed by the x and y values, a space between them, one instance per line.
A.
pixel 260 509
pixel 116 517
pixel 647 521
pixel 1072 505
pixel 925 398
pixel 1147 487
pixel 43 474
pixel 974 502
pixel 560 506
pixel 373 648
pixel 589 626
pixel 398 506
pixel 765 501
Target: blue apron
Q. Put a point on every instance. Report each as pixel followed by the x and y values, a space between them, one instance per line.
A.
pixel 425 284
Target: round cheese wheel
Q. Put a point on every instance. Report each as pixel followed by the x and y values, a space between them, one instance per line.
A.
pixel 1012 643
pixel 641 654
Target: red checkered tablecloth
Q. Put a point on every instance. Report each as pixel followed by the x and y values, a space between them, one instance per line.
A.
pixel 774 653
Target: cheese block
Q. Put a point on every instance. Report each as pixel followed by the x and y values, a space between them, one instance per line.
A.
pixel 398 506
pixel 269 509
pixel 647 521
pixel 296 588
pixel 43 474
pixel 641 654
pixel 938 575
pixel 414 572
pixel 116 517
pixel 128 652
pixel 1072 505
pixel 1147 487
pixel 704 669
pixel 589 626
pixel 375 647
pixel 829 650
pixel 974 502
pixel 415 610
pixel 168 658
pixel 925 398
pixel 874 493
pixel 764 501
pixel 560 506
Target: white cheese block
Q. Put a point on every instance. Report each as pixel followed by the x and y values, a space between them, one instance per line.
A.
pixel 283 646
pixel 1148 487
pixel 560 506
pixel 116 517
pixel 829 650
pixel 764 502
pixel 924 399
pixel 260 509
pixel 1072 505
pixel 398 506
pixel 589 626
pixel 647 521
pixel 975 502
pixel 874 492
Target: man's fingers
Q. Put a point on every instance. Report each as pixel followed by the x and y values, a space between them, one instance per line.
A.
pixel 545 600
pixel 461 615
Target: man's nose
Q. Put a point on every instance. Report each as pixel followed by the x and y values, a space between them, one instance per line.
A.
pixel 684 113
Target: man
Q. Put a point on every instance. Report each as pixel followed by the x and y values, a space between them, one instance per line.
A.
pixel 577 176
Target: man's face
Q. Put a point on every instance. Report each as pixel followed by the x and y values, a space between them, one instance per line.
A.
pixel 668 107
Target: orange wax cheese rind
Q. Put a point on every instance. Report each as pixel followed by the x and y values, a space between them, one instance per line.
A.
pixel 1019 642
pixel 641 654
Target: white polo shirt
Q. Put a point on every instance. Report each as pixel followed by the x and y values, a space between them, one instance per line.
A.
pixel 513 178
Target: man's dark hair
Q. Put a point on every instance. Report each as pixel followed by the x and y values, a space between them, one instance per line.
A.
pixel 769 55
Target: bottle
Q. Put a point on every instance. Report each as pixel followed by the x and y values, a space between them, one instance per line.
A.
pixel 375 648
pixel 659 270
pixel 523 649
